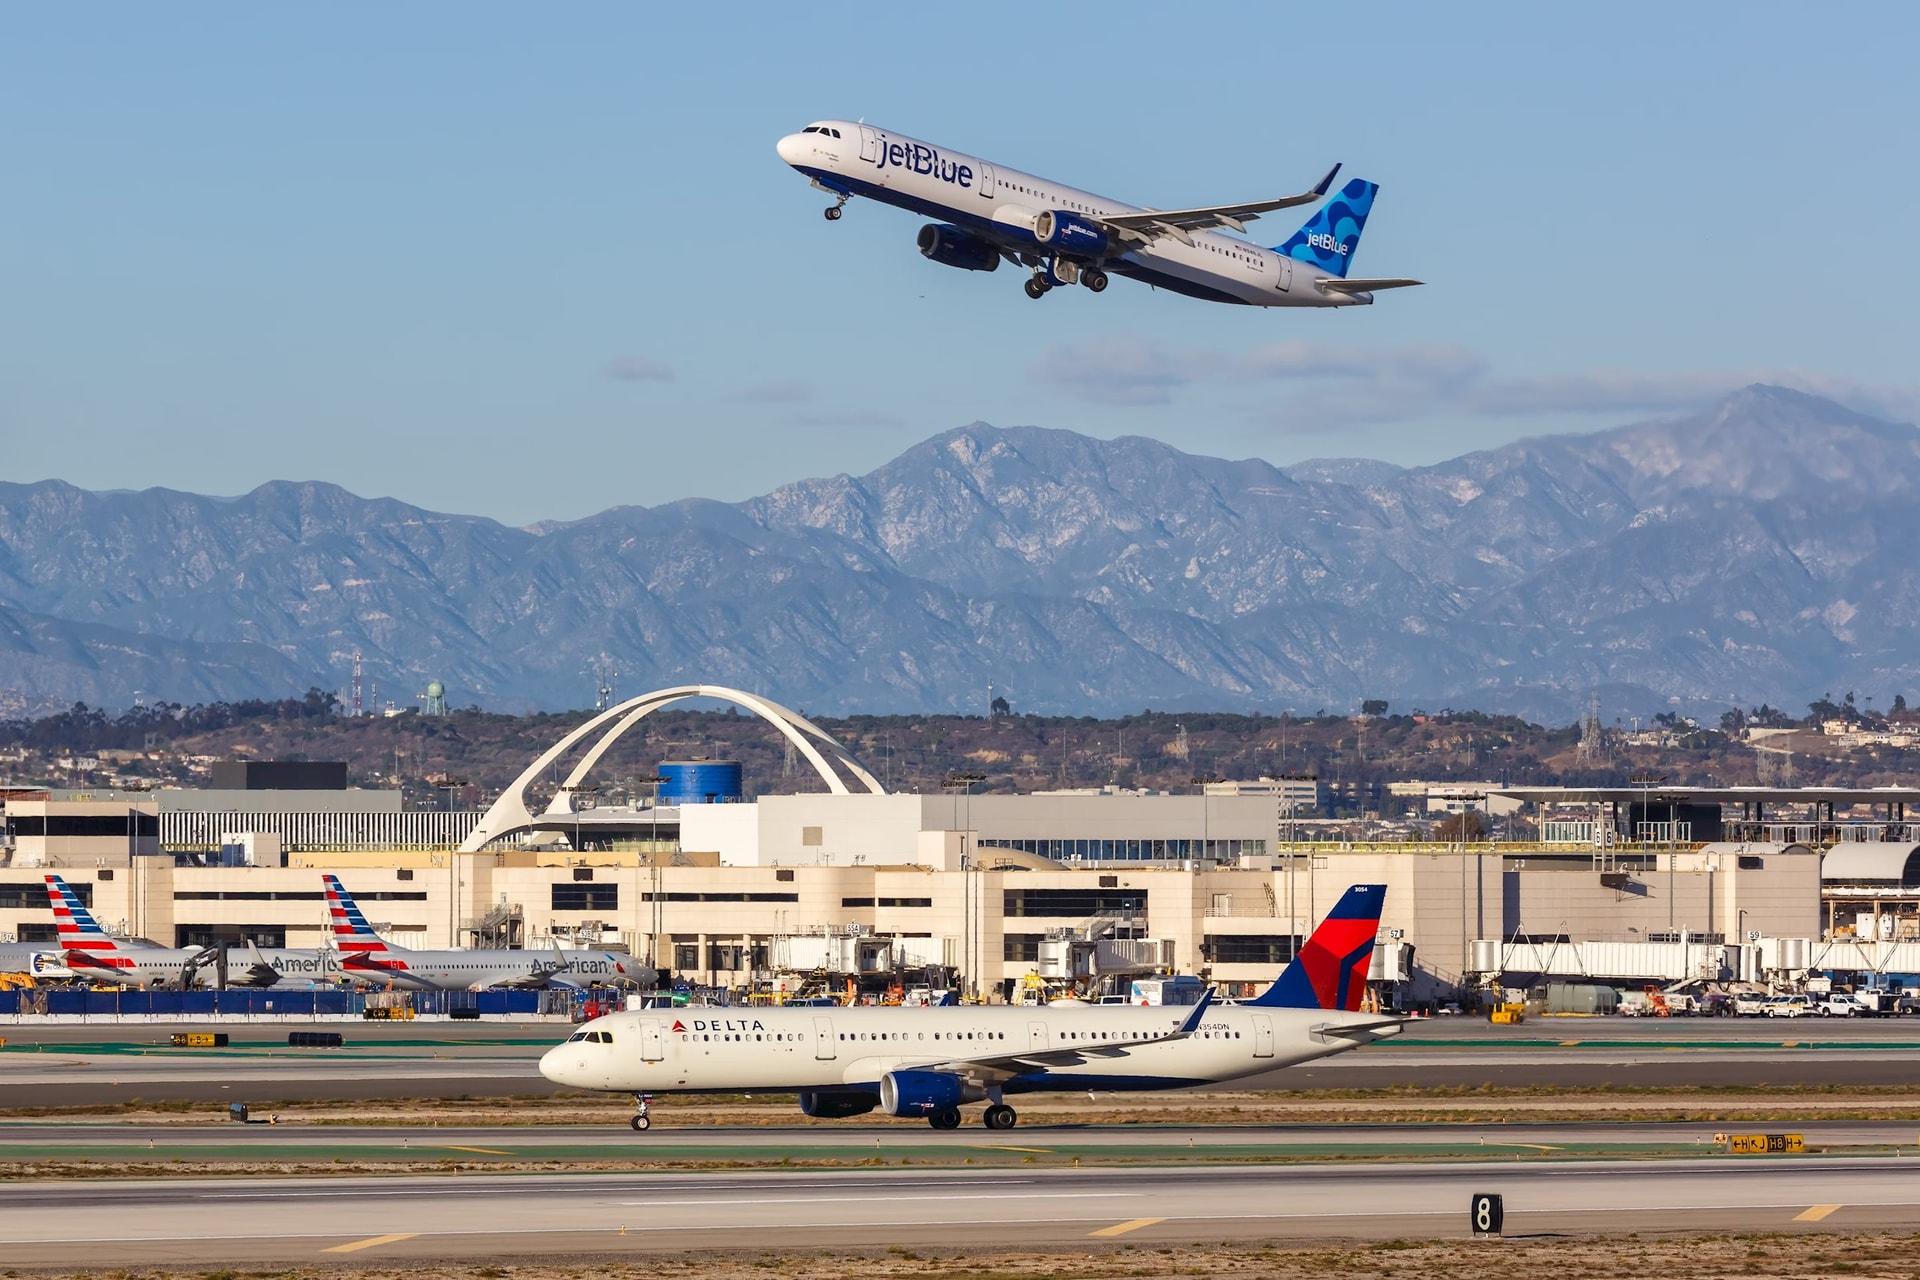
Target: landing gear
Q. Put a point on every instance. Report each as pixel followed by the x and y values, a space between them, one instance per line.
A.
pixel 1095 279
pixel 1037 287
pixel 947 1118
pixel 641 1122
pixel 1000 1116
pixel 832 211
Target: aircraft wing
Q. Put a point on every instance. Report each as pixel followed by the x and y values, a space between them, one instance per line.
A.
pixel 1152 224
pixel 1012 1064
pixel 1332 285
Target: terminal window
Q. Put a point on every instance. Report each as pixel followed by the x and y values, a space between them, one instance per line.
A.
pixel 1265 948
pixel 686 955
pixel 586 897
pixel 1020 948
pixel 32 896
pixel 1079 903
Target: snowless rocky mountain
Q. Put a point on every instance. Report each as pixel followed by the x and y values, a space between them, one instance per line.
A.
pixel 1760 550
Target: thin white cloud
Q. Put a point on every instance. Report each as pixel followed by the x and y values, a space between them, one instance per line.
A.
pixel 1328 385
pixel 793 391
pixel 638 369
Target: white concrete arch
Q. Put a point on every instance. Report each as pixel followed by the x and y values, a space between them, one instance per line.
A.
pixel 509 814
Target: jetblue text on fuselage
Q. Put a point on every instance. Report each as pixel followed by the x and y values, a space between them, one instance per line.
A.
pixel 917 157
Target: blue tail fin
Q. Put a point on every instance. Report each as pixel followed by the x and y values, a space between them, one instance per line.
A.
pixel 1331 970
pixel 1330 237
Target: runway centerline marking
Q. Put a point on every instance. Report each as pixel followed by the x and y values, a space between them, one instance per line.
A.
pixel 1816 1213
pixel 485 1151
pixel 371 1242
pixel 1121 1228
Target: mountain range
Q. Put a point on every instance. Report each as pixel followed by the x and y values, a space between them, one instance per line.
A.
pixel 1762 549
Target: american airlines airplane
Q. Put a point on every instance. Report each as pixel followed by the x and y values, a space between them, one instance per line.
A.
pixel 930 1062
pixel 369 959
pixel 96 955
pixel 986 213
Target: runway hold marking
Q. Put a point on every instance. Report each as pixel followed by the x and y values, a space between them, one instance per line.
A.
pixel 1816 1213
pixel 485 1151
pixel 1038 1151
pixel 371 1242
pixel 1121 1228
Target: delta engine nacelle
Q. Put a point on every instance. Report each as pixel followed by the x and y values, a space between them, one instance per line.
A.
pixel 1070 234
pixel 951 247
pixel 921 1093
pixel 836 1106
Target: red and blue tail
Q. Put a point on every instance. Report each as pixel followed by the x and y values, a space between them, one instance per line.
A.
pixel 1331 970
pixel 351 932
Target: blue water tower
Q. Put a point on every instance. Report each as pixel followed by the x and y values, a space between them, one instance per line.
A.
pixel 700 782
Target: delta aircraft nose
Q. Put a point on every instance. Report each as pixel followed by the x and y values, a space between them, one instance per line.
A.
pixel 792 148
pixel 557 1062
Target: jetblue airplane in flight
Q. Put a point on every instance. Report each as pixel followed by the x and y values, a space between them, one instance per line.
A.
pixel 929 1062
pixel 987 213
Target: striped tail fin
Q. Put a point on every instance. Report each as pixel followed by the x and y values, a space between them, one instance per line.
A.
pixel 1331 970
pixel 351 932
pixel 77 929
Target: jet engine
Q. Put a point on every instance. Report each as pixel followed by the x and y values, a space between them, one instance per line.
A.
pixel 919 1093
pixel 836 1106
pixel 1069 233
pixel 951 247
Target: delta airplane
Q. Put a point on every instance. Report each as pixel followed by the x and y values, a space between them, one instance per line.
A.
pixel 369 959
pixel 986 213
pixel 929 1062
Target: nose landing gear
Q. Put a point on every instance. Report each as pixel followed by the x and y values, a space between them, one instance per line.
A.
pixel 641 1122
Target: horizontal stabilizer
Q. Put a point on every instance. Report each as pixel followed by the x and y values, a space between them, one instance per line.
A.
pixel 1364 286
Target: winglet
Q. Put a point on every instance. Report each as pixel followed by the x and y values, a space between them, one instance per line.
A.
pixel 1326 183
pixel 1191 1023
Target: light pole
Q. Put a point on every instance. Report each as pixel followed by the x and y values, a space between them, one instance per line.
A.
pixel 969 935
pixel 1203 781
pixel 1646 781
pixel 658 915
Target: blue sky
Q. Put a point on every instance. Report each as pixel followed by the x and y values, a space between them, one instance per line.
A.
pixel 414 249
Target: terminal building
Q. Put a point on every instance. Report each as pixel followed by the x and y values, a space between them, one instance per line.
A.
pixel 1066 890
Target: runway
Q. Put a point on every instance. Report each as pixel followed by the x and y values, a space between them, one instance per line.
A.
pixel 854 1140
pixel 44 1065
pixel 237 1222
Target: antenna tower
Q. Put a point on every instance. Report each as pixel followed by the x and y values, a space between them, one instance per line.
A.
pixel 356 683
pixel 1593 739
pixel 606 682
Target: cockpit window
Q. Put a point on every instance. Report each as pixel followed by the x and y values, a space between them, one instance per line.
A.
pixel 578 1035
pixel 834 132
pixel 606 1037
pixel 813 128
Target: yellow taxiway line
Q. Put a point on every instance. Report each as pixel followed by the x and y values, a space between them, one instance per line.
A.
pixel 369 1243
pixel 1121 1228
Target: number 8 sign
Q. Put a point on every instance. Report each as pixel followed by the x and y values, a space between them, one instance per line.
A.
pixel 1487 1212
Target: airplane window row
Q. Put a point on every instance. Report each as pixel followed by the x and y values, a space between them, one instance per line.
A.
pixel 938 1035
pixel 820 128
pixel 784 1035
